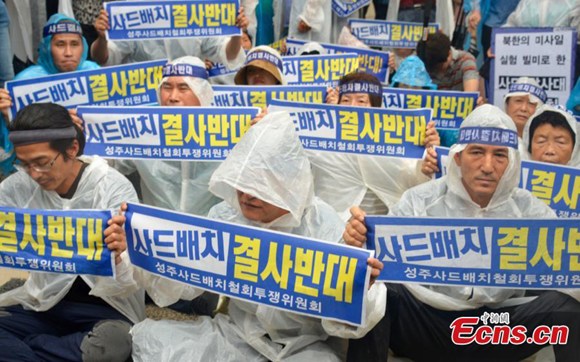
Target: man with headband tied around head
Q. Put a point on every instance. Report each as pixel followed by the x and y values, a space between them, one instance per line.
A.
pixel 482 182
pixel 62 49
pixel 178 185
pixel 66 317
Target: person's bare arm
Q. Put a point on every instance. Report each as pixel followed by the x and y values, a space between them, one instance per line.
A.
pixel 99 49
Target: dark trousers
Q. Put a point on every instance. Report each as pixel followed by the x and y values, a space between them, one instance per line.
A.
pixel 54 335
pixel 422 333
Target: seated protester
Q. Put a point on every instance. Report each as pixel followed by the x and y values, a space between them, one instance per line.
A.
pixel 225 50
pixel 62 49
pixel 345 180
pixel 178 185
pixel 58 317
pixel 266 183
pixel 412 75
pixel 450 69
pixel 523 96
pixel 263 66
pixel 551 135
pixel 482 182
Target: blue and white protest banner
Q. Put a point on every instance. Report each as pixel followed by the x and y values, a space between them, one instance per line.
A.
pixel 122 85
pixel 358 130
pixel 391 34
pixel 370 61
pixel 504 253
pixel 546 54
pixel 449 107
pixel 316 278
pixel 556 185
pixel 319 69
pixel 55 241
pixel 164 133
pixel 260 96
pixel 138 20
pixel 344 8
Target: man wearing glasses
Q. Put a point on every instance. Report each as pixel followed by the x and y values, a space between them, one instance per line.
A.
pixel 66 317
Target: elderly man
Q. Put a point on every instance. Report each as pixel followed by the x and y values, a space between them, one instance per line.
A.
pixel 552 135
pixel 178 185
pixel 266 182
pixel 65 317
pixel 481 182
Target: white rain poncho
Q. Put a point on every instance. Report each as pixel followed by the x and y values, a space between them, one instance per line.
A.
pixel 575 159
pixel 177 185
pixel 373 182
pixel 100 187
pixel 212 48
pixel 546 13
pixel 270 164
pixel 316 13
pixel 447 197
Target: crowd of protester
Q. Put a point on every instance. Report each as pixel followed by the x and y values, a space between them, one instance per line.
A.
pixel 269 181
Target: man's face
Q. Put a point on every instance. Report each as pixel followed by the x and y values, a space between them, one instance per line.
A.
pixel 482 167
pixel 66 50
pixel 355 99
pixel 257 210
pixel 176 92
pixel 519 108
pixel 552 144
pixel 259 76
pixel 46 166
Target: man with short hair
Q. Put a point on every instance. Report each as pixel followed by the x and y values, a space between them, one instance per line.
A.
pixel 449 68
pixel 62 49
pixel 482 181
pixel 66 317
pixel 551 135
